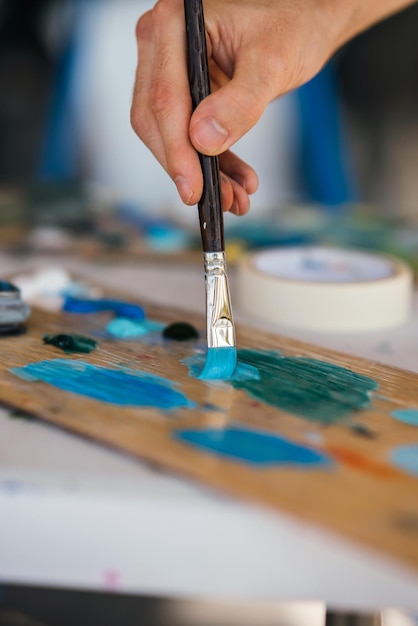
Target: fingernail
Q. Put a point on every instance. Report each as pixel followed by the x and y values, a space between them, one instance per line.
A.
pixel 209 135
pixel 184 188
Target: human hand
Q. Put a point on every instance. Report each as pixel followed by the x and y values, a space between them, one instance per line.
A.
pixel 258 50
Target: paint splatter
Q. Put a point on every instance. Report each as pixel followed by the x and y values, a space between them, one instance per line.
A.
pixel 125 328
pixel 406 416
pixel 252 447
pixel 71 343
pixel 18 414
pixel 405 458
pixel 362 431
pixel 406 522
pixel 313 389
pixel 360 462
pixel 180 331
pixel 119 307
pixel 125 387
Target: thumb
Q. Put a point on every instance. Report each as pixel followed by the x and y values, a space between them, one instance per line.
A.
pixel 226 115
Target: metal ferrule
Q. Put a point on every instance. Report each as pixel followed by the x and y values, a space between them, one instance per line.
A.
pixel 219 321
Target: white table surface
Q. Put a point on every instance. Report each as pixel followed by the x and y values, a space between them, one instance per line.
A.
pixel 75 514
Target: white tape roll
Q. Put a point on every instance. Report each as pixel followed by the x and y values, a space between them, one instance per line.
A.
pixel 325 289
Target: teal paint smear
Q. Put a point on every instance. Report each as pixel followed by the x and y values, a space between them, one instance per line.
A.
pixel 125 387
pixel 315 390
pixel 252 447
pixel 406 416
pixel 125 328
pixel 405 458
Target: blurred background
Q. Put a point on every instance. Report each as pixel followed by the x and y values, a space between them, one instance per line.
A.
pixel 336 160
pixel 66 75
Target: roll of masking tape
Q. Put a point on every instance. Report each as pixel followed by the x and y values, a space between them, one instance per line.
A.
pixel 325 289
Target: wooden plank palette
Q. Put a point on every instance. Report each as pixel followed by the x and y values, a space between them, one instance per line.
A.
pixel 316 441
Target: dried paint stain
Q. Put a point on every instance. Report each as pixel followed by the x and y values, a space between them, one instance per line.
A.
pixel 252 447
pixel 125 387
pixel 313 389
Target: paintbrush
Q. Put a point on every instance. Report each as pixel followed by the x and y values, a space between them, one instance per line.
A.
pixel 222 354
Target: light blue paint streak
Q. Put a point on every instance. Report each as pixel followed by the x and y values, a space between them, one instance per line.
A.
pixel 218 364
pixel 252 447
pixel 125 328
pixel 405 458
pixel 120 308
pixel 125 387
pixel 407 416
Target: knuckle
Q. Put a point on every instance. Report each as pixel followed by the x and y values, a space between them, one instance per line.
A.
pixel 144 27
pixel 161 12
pixel 139 123
pixel 161 97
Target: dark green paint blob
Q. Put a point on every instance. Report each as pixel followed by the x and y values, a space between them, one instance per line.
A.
pixel 362 431
pixel 318 391
pixel 71 343
pixel 180 331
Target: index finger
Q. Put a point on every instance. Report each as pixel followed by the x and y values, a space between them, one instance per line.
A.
pixel 170 98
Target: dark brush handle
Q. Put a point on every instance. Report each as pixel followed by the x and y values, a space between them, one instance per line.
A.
pixel 210 205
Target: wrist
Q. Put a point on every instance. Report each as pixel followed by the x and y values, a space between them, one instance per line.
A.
pixel 359 15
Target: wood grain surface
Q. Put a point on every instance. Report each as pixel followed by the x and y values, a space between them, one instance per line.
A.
pixel 362 497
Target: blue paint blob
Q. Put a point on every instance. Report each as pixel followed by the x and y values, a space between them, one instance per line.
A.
pixel 125 328
pixel 405 458
pixel 125 387
pixel 120 308
pixel 218 364
pixel 407 416
pixel 252 447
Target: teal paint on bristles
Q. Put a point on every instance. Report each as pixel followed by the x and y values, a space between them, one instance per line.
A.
pixel 222 354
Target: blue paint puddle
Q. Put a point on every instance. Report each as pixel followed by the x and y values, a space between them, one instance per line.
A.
pixel 125 328
pixel 405 458
pixel 406 416
pixel 125 387
pixel 252 447
pixel 118 307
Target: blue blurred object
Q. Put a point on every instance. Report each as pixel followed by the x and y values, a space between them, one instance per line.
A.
pixel 326 166
pixel 60 151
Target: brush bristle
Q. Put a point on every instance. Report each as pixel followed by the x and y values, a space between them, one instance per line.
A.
pixel 220 364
